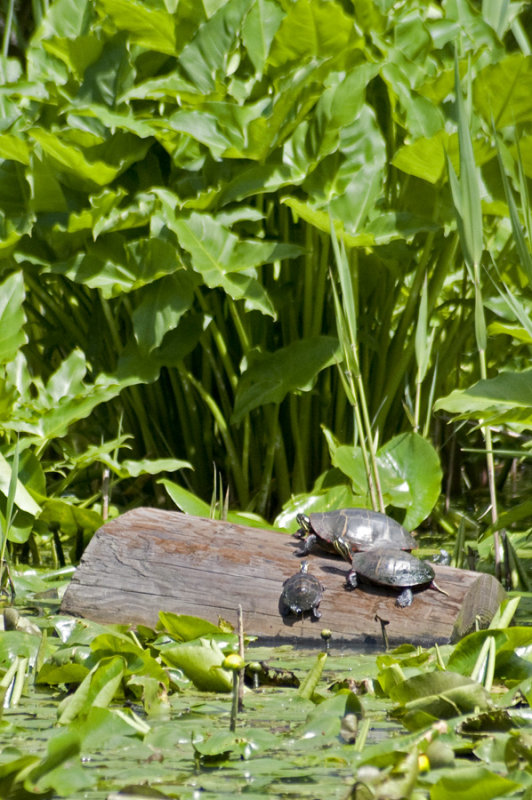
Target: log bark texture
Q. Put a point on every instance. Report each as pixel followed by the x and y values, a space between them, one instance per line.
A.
pixel 150 560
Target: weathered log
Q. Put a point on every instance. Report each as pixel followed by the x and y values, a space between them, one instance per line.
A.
pixel 150 560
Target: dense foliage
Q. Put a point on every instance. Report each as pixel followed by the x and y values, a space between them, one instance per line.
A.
pixel 279 248
pixel 149 713
pixel 262 235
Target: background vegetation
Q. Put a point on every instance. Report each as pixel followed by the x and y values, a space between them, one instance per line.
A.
pixel 255 244
pixel 258 256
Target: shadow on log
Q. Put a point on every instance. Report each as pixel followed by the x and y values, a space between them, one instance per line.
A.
pixel 150 560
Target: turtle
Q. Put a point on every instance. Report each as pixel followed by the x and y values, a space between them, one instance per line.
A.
pixel 362 528
pixel 391 567
pixel 301 592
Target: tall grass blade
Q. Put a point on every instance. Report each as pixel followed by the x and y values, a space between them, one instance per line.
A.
pixel 525 258
pixel 9 517
pixel 469 206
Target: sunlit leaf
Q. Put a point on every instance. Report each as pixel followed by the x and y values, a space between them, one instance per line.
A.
pixel 293 368
pixel 12 317
pixel 201 662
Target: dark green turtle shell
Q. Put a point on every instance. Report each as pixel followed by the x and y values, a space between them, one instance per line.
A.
pixel 301 592
pixel 361 528
pixel 392 567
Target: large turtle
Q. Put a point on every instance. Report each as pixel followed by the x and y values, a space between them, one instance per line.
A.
pixel 361 528
pixel 301 592
pixel 390 567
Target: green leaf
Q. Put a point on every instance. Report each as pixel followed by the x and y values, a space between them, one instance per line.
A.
pixel 162 304
pixel 311 679
pixel 22 498
pixel 259 28
pixel 440 695
pixel 313 30
pixel 12 317
pixel 503 91
pixel 409 470
pixel 201 661
pixel 61 748
pixel 185 627
pixel 149 27
pixel 68 517
pixel 471 783
pixel 507 397
pixel 97 689
pixel 292 368
pixel 205 60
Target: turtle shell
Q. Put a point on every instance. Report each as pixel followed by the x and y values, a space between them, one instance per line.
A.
pixel 301 592
pixel 361 528
pixel 392 567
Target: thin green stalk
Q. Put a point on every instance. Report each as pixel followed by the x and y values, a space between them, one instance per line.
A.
pixel 220 340
pixel 296 425
pixel 232 457
pixel 7 28
pixel 402 359
pixel 271 412
pixel 346 321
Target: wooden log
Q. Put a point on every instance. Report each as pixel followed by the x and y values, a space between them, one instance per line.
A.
pixel 150 560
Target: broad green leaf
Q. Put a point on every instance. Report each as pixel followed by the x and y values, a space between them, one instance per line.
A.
pixel 22 499
pixel 138 660
pixel 273 375
pixel 65 674
pixel 440 695
pixel 409 470
pixel 465 652
pixel 260 26
pixel 503 91
pixel 224 128
pixel 61 748
pixel 97 689
pixel 149 27
pixel 318 500
pixel 102 725
pixel 496 13
pixel 68 517
pixel 162 304
pixel 206 58
pixel 326 718
pixel 185 627
pixel 313 30
pixel 146 466
pixel 12 316
pixel 201 662
pixel 18 643
pixel 507 397
pixel 471 783
pixel 113 265
pixel 72 160
pixel 349 181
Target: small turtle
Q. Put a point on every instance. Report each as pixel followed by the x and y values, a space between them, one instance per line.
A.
pixel 394 568
pixel 301 592
pixel 362 528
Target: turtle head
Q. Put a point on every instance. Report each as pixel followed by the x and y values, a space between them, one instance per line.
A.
pixel 304 523
pixel 342 547
pixel 303 567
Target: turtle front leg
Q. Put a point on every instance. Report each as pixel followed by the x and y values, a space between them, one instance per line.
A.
pixel 351 581
pixel 316 613
pixel 405 598
pixel 307 545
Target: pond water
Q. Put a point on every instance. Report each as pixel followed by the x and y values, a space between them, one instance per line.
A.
pixel 283 746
